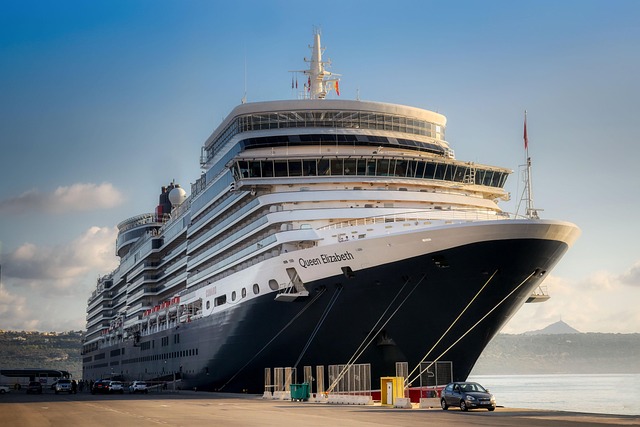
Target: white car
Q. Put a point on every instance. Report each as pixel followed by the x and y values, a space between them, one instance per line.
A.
pixel 116 387
pixel 64 386
pixel 4 389
pixel 138 387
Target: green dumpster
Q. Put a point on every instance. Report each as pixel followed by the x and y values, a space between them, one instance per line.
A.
pixel 300 392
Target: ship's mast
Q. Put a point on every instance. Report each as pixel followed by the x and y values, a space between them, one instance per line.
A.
pixel 319 80
pixel 531 211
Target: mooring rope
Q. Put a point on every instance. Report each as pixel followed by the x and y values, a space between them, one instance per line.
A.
pixel 332 301
pixel 373 328
pixel 363 347
pixel 475 324
pixel 275 336
pixel 450 326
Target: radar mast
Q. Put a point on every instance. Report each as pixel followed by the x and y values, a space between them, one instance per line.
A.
pixel 319 81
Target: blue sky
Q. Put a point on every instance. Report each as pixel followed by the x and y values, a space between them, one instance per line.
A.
pixel 103 102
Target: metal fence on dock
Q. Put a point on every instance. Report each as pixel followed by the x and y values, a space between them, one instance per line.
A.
pixel 350 379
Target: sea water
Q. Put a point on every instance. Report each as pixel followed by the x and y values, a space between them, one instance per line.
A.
pixel 601 393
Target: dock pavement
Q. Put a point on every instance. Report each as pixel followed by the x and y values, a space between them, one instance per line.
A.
pixel 194 409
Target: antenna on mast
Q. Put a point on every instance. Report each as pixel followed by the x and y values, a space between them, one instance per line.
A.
pixel 244 97
pixel 319 81
pixel 531 211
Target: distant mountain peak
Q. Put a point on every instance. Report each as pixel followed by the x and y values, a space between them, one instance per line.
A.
pixel 560 327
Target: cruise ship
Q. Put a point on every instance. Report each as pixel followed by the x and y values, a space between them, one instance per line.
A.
pixel 321 232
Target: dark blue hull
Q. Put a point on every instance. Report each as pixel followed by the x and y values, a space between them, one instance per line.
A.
pixel 230 351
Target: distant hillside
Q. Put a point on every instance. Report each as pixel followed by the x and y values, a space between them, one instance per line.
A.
pixel 522 354
pixel 50 350
pixel 573 353
pixel 555 329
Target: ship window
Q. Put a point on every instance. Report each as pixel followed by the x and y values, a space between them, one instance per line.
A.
pixel 222 299
pixel 371 167
pixel 281 168
pixel 460 173
pixel 489 178
pixel 267 168
pixel 350 166
pixel 273 284
pixel 244 292
pixel 208 305
pixel 256 289
pixel 503 180
pixel 392 167
pixel 495 179
pixel 337 166
pixel 430 170
pixel 323 167
pixel 439 171
pixel 233 296
pixel 411 168
pixel 243 167
pixel 383 167
pixel 448 175
pixel 254 169
pixel 295 168
pixel 401 168
pixel 309 168
pixel 292 119
pixel 368 167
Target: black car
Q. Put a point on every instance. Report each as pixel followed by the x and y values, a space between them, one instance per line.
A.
pixel 101 386
pixel 467 396
pixel 34 387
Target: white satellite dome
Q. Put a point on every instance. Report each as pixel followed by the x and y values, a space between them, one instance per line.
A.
pixel 177 196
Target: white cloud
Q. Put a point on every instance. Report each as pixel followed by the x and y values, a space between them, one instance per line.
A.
pixel 77 197
pixel 601 302
pixel 14 312
pixel 46 288
pixel 58 265
pixel 631 276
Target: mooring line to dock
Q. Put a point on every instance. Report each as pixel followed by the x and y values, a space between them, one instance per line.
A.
pixel 327 309
pixel 364 346
pixel 450 326
pixel 373 328
pixel 275 336
pixel 471 328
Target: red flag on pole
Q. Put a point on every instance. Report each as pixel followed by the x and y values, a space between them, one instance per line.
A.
pixel 337 89
pixel 526 139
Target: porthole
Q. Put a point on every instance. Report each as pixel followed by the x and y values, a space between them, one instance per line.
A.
pixel 244 292
pixel 208 305
pixel 233 296
pixel 273 284
pixel 256 289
